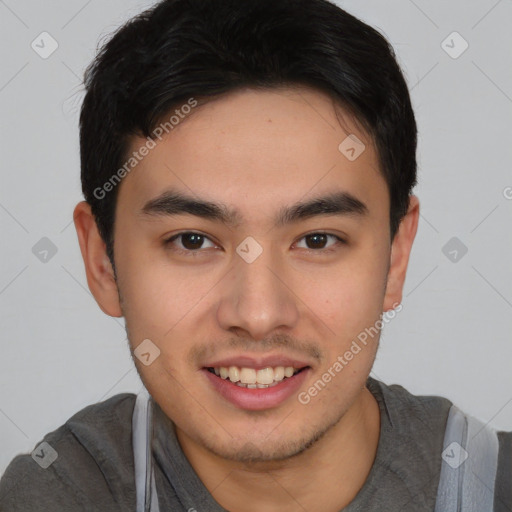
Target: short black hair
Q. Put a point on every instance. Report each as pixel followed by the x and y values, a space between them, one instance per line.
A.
pixel 183 49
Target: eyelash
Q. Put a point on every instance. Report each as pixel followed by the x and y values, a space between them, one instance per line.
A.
pixel 189 252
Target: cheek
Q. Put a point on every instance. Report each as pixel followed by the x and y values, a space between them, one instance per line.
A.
pixel 347 297
pixel 158 300
pixel 157 296
pixel 352 305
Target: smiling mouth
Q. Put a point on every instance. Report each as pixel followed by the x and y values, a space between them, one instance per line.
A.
pixel 251 378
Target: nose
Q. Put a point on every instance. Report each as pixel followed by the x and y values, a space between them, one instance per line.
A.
pixel 257 298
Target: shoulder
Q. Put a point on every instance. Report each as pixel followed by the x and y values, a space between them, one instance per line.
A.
pixel 86 464
pixel 408 461
pixel 407 412
pixel 503 484
pixel 422 423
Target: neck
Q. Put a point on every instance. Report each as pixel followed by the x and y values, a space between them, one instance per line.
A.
pixel 342 460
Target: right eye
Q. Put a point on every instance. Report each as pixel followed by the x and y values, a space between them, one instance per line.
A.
pixel 188 242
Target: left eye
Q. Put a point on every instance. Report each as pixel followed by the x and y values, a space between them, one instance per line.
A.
pixel 320 240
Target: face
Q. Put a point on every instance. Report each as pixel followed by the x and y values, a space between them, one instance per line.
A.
pixel 246 244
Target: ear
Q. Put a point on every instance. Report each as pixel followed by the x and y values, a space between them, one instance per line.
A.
pixel 400 251
pixel 99 271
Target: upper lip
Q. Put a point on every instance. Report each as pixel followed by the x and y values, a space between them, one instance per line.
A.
pixel 257 362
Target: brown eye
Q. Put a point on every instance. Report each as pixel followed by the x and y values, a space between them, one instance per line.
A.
pixel 319 241
pixel 316 241
pixel 192 241
pixel 189 242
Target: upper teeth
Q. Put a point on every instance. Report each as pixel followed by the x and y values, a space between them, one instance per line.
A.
pixel 252 376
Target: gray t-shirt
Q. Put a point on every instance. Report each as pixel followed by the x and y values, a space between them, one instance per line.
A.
pixel 94 470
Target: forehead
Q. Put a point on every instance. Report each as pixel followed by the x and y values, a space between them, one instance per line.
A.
pixel 258 150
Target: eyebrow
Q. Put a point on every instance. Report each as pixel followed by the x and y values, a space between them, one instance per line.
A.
pixel 171 203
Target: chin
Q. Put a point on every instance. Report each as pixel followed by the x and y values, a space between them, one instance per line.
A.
pixel 264 450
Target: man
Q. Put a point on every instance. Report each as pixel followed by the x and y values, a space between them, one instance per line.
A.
pixel 248 168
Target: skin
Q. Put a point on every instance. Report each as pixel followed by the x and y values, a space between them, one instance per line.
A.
pixel 258 151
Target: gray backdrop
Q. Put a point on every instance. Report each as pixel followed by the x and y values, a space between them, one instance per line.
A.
pixel 59 353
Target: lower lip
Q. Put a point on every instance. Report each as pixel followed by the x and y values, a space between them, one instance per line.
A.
pixel 259 398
